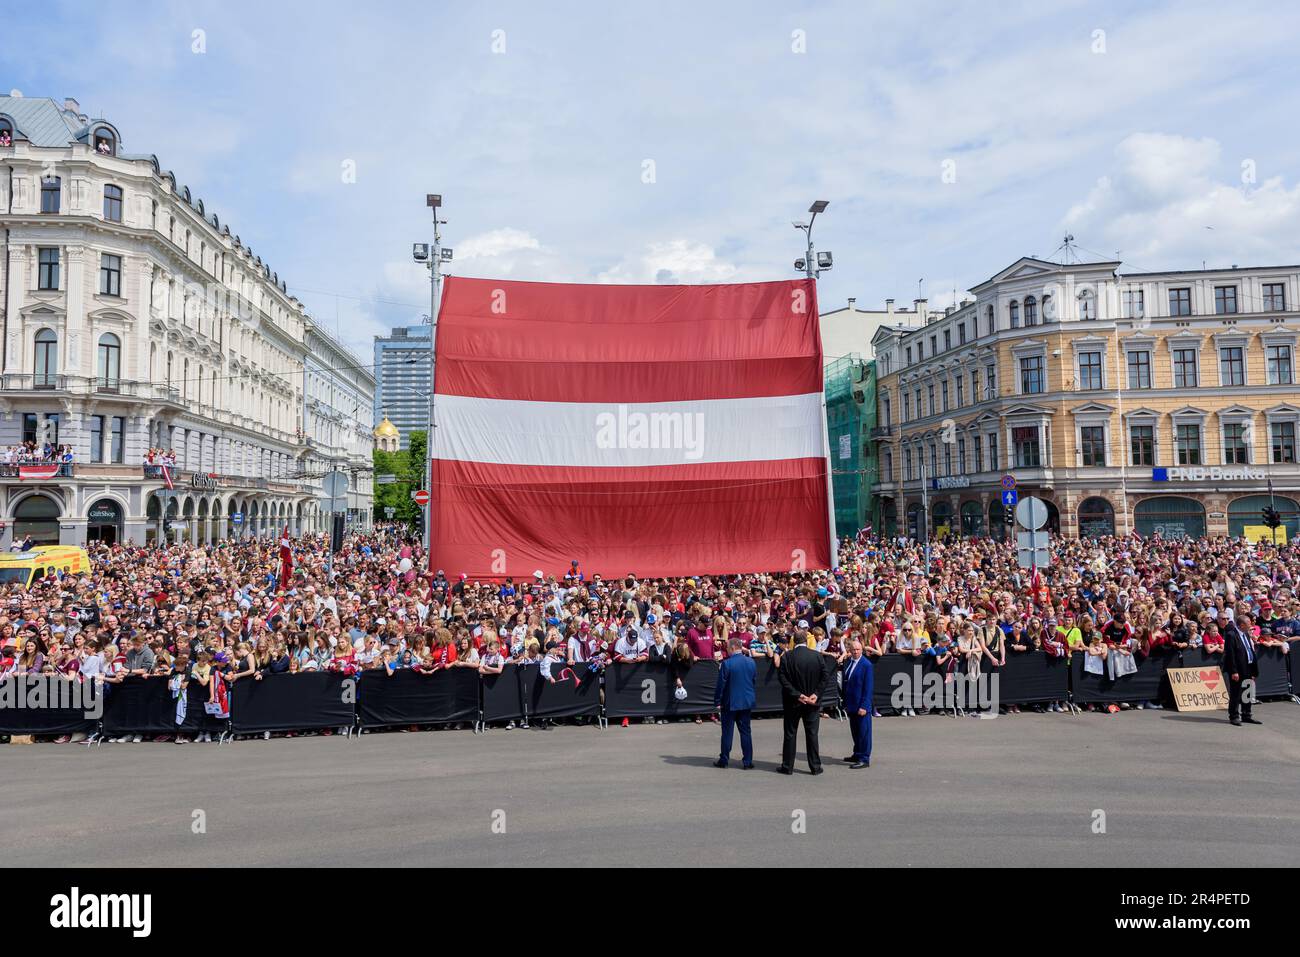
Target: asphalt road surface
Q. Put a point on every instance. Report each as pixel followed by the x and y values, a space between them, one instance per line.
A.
pixel 1175 789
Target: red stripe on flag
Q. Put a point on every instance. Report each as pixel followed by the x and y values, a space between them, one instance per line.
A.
pixel 494 521
pixel 557 342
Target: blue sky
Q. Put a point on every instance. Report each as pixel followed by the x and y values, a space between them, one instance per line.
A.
pixel 1133 127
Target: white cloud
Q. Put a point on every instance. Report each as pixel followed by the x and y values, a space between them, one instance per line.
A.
pixel 675 261
pixel 1163 207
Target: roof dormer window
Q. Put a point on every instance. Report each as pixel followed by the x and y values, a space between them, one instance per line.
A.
pixel 105 142
pixel 6 133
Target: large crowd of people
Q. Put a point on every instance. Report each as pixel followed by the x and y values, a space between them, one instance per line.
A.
pixel 219 614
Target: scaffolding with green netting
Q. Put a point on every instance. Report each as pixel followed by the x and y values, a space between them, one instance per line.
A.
pixel 850 391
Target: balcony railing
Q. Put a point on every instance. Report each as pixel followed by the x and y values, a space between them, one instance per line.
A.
pixel 881 431
pixel 7 470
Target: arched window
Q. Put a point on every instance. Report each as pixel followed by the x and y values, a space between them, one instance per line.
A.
pixel 110 362
pixel 1015 314
pixel 105 142
pixel 1031 311
pixel 6 133
pixel 1087 308
pixel 47 359
pixel 1049 308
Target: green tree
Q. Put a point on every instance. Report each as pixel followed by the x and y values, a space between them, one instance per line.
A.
pixel 408 469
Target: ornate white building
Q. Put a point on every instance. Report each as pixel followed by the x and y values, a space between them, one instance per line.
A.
pixel 134 319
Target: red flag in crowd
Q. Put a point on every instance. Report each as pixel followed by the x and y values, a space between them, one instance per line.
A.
pixel 286 559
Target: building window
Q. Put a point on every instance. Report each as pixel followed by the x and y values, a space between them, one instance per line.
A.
pixel 977 453
pixel 1234 444
pixel 994 462
pixel 1086 310
pixel 1031 311
pixel 929 394
pixel 1279 365
pixel 1031 374
pixel 934 345
pixel 909 355
pixel 907 464
pixel 47 359
pixel 907 407
pixel 920 351
pixel 1185 375
pixel 1142 444
pixel 96 438
pixel 1133 304
pixel 38 428
pixel 1232 366
pixel 943 389
pixel 1225 300
pixel 961 390
pixel 1139 370
pixel 51 191
pixel 920 409
pixel 1274 297
pixel 1015 314
pixel 1187 444
pixel 947 459
pixel 1283 434
pixel 116 445
pixel 110 275
pixel 961 333
pixel 1090 370
pixel 105 143
pixel 947 339
pixel 1092 445
pixel 1024 441
pixel 1180 302
pixel 110 361
pixel 113 203
pixel 991 382
pixel 992 320
pixel 47 276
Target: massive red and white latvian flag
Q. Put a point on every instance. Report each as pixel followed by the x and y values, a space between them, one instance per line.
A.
pixel 655 430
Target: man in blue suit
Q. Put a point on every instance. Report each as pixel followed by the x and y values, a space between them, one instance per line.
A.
pixel 735 696
pixel 859 676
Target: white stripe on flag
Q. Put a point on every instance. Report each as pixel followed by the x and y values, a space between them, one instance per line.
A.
pixel 631 434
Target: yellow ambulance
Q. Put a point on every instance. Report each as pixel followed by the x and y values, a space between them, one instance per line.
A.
pixel 40 561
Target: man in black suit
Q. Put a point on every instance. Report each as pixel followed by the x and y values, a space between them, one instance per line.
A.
pixel 803 674
pixel 1239 664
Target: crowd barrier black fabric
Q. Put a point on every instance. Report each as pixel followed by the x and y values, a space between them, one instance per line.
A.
pixel 146 706
pixel 767 687
pixel 1273 681
pixel 571 692
pixel 285 702
pixel 503 696
pixel 645 690
pixel 39 720
pixel 1148 683
pixel 1032 677
pixel 410 697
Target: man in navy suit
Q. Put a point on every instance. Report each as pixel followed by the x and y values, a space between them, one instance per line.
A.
pixel 735 696
pixel 1241 666
pixel 859 676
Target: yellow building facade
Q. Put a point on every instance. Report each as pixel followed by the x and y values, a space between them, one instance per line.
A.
pixel 1148 402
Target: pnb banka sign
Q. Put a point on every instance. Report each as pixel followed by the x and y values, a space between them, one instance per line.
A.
pixel 1207 473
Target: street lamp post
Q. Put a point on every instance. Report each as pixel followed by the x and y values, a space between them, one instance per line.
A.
pixel 433 259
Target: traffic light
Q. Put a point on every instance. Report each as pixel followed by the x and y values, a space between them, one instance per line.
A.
pixel 336 532
pixel 1272 518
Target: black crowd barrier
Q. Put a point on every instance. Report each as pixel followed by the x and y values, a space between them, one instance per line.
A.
pixel 572 692
pixel 646 689
pixel 411 697
pixel 287 702
pixel 1148 683
pixel 503 696
pixel 146 706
